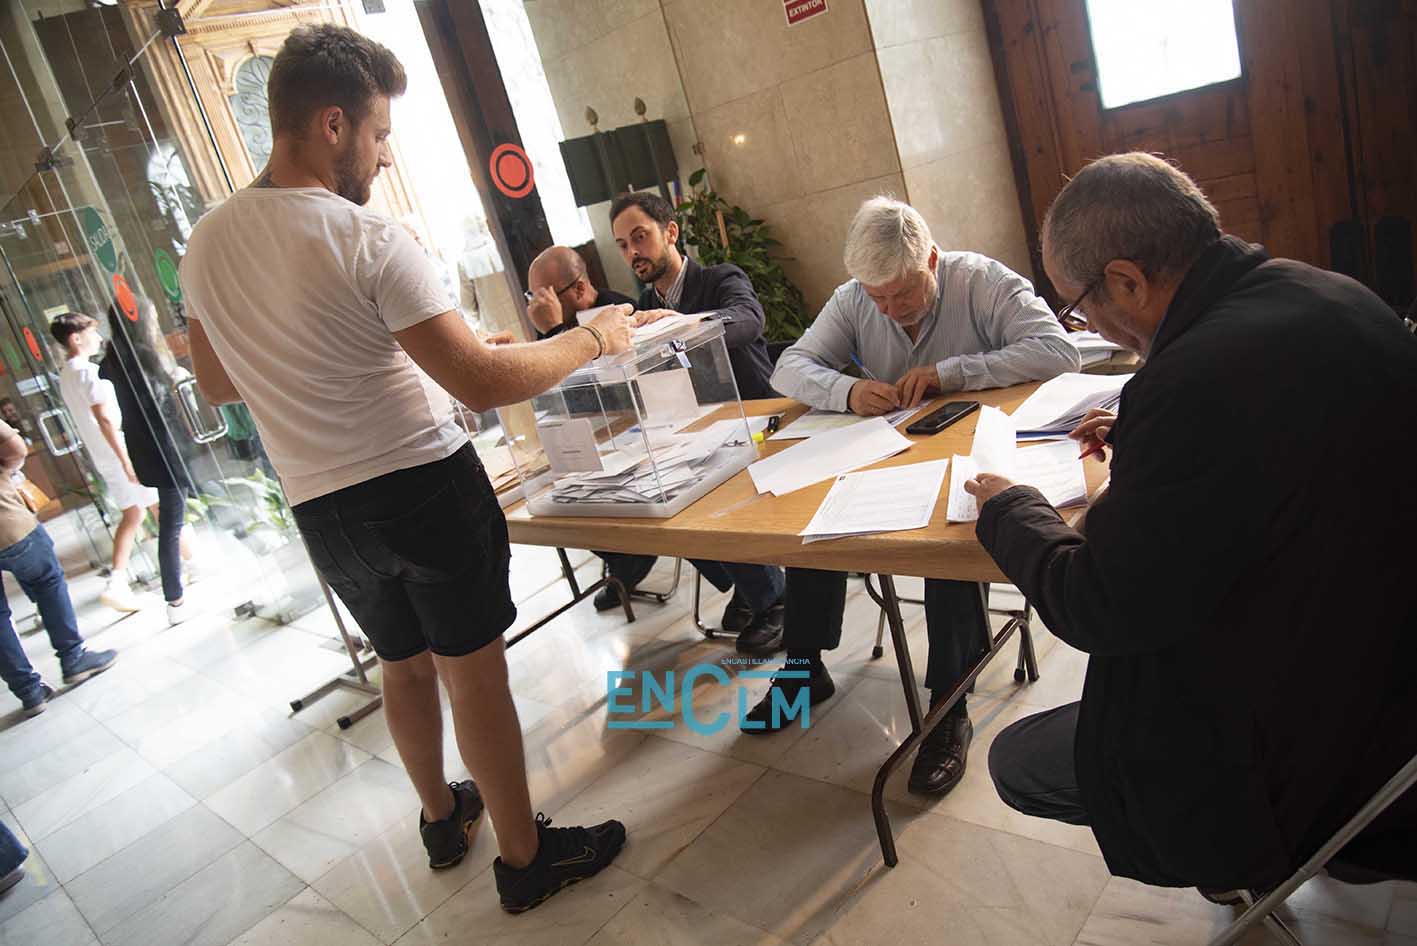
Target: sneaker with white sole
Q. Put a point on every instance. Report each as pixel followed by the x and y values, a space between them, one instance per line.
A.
pixel 177 613
pixel 118 596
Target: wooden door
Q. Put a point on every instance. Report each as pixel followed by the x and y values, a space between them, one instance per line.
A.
pixel 1268 148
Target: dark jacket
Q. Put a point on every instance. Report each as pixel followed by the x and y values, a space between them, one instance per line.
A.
pixel 1245 588
pixel 149 408
pixel 602 297
pixel 725 290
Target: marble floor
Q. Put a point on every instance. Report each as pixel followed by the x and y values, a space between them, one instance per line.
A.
pixel 177 800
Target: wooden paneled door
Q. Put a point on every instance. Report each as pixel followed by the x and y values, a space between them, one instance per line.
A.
pixel 1272 149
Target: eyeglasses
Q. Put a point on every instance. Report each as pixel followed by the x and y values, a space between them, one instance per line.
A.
pixel 1065 314
pixel 530 296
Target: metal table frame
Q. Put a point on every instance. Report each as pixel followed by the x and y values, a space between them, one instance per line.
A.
pixel 922 726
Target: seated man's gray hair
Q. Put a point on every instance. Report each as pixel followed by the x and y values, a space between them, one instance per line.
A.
pixel 887 240
pixel 1133 206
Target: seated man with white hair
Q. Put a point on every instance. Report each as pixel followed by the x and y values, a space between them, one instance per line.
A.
pixel 924 322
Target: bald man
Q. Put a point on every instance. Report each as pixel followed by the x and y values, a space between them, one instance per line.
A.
pixel 560 288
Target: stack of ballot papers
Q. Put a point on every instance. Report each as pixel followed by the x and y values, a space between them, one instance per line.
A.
pixel 1060 405
pixel 632 474
pixel 1053 468
pixel 1093 347
pixel 827 455
pixel 819 422
pixel 870 501
pixel 650 332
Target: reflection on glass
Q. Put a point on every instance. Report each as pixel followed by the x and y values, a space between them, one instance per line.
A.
pixel 1146 50
pixel 251 106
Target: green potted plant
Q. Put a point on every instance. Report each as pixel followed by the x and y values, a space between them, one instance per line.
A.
pixel 721 232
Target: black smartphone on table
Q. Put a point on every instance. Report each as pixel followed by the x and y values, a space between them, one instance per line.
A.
pixel 937 420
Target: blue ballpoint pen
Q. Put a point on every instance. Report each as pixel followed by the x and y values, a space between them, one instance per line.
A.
pixel 864 370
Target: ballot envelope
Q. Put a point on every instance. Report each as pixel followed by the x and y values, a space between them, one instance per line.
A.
pixel 643 433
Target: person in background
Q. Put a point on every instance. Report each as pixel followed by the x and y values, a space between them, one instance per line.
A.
pixel 93 405
pixel 11 415
pixel 144 376
pixel 647 235
pixel 386 488
pixel 27 552
pixel 559 287
pixel 12 860
pixel 923 321
pixel 1244 587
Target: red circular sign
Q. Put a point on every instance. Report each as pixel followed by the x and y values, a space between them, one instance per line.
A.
pixel 511 170
pixel 124 297
pixel 33 344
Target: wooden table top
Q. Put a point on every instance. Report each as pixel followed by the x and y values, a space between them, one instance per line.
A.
pixel 734 523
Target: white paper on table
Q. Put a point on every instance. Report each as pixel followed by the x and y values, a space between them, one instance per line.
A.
pixel 1053 468
pixel 869 501
pixel 816 422
pixel 826 455
pixel 819 422
pixel 668 395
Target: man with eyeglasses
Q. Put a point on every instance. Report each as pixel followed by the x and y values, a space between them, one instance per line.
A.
pixel 1244 588
pixel 560 287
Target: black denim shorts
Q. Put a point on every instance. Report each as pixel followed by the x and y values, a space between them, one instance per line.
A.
pixel 419 556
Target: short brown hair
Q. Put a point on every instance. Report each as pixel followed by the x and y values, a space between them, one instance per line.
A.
pixel 66 326
pixel 323 65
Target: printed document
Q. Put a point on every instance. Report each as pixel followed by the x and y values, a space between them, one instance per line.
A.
pixel 1054 468
pixel 869 501
pixel 827 455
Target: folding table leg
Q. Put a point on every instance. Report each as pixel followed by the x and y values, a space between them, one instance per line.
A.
pixel 921 728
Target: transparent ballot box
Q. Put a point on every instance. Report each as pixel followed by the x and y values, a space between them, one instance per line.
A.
pixel 643 433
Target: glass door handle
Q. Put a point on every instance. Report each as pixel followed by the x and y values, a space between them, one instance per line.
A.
pixel 193 407
pixel 65 431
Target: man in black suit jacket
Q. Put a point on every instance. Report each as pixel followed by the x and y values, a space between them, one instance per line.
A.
pixel 647 234
pixel 1244 588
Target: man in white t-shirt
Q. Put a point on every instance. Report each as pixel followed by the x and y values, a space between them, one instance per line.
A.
pixel 93 405
pixel 319 314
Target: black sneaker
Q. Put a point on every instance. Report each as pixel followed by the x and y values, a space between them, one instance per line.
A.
pixel 819 683
pixel 564 856
pixel 447 841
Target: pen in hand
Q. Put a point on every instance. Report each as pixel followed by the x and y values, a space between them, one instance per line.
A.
pixel 864 370
pixel 1095 448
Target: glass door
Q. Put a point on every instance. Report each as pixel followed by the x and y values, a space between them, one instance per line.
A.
pixel 115 205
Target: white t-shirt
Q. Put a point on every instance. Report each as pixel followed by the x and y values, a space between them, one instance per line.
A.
pixel 82 389
pixel 300 292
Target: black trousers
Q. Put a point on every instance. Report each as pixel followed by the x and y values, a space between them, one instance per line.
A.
pixel 759 586
pixel 1033 769
pixel 954 621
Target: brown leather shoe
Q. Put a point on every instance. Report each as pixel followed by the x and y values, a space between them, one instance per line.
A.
pixel 939 765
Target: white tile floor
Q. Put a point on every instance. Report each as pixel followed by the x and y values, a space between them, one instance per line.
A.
pixel 176 800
